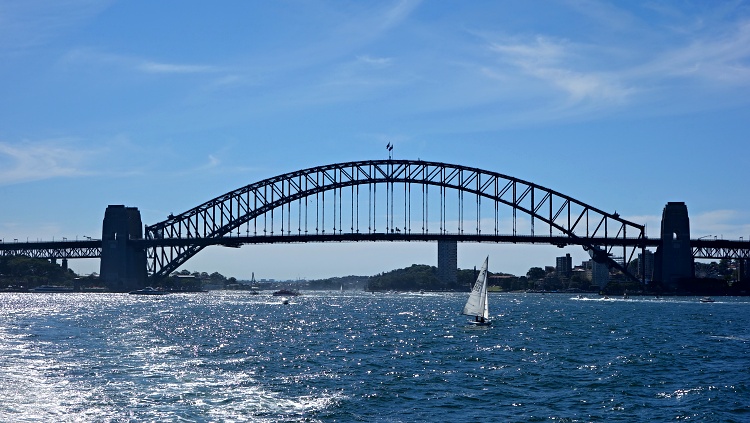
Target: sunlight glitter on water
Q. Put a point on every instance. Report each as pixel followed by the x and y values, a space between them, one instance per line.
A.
pixel 364 357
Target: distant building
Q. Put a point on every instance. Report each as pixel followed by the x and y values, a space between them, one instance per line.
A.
pixel 648 260
pixel 564 265
pixel 597 273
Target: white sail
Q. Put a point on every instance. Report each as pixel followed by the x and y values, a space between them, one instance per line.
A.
pixel 476 305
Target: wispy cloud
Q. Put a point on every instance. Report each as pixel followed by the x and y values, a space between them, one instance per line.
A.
pixel 379 62
pixel 365 71
pixel 215 163
pixel 92 57
pixel 708 44
pixel 212 163
pixel 370 23
pixel 400 11
pixel 33 161
pixel 28 161
pixel 727 224
pixel 154 67
pixel 572 77
pixel 553 62
pixel 721 58
pixel 31 23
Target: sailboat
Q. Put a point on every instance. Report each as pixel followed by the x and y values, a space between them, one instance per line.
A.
pixel 476 305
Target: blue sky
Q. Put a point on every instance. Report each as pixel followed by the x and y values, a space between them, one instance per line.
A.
pixel 164 105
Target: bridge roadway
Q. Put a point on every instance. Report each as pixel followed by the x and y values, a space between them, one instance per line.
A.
pixel 560 241
pixel 701 248
pixel 53 249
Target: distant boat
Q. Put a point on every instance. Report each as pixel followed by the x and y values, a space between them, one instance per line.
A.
pixel 52 288
pixel 707 300
pixel 285 292
pixel 285 300
pixel 148 291
pixel 476 305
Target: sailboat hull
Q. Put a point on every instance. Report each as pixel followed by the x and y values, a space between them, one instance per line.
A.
pixel 485 323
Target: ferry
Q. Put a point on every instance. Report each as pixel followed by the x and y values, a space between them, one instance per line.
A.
pixel 52 288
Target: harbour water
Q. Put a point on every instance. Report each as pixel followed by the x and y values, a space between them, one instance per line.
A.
pixel 362 357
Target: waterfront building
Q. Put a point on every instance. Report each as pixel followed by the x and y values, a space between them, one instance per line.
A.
pixel 564 265
pixel 648 260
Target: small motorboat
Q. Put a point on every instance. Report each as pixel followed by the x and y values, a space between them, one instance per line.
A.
pixel 707 300
pixel 285 292
pixel 148 291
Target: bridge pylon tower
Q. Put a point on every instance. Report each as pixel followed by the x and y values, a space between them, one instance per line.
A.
pixel 123 263
pixel 674 257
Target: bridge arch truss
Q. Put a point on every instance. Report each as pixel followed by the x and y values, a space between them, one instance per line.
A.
pixel 392 200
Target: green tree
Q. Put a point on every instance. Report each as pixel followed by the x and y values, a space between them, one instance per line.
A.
pixel 536 273
pixel 578 281
pixel 31 272
pixel 413 278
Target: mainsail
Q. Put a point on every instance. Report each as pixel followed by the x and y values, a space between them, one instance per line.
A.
pixel 476 305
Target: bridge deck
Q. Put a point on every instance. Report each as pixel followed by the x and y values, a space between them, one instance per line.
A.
pixel 702 248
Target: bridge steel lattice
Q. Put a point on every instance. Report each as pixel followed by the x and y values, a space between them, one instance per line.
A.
pixel 721 249
pixel 391 200
pixel 53 249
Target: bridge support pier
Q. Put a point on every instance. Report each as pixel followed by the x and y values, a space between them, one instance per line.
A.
pixel 448 262
pixel 123 265
pixel 674 257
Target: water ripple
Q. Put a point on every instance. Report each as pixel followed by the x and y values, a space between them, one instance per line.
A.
pixel 370 357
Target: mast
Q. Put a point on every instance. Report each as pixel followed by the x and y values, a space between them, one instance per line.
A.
pixel 485 305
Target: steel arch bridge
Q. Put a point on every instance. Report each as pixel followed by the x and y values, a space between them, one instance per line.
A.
pixel 388 200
